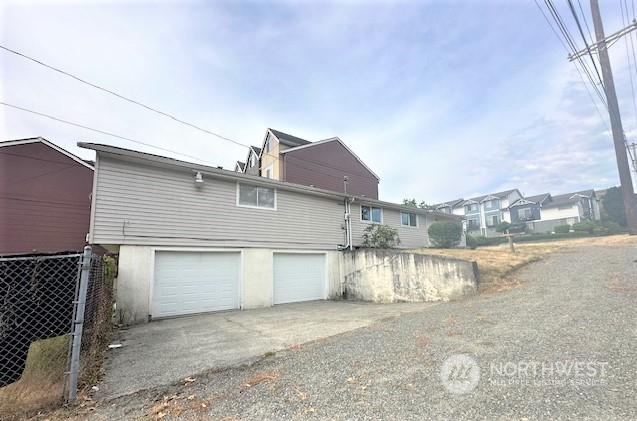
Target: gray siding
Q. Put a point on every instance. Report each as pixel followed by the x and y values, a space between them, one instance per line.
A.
pixel 409 237
pixel 515 212
pixel 138 204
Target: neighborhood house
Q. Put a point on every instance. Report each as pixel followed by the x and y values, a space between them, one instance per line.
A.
pixel 193 238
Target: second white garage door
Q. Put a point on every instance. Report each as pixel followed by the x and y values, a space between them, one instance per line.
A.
pixel 195 282
pixel 299 277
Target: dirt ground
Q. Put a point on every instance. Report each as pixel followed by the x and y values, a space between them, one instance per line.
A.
pixel 496 263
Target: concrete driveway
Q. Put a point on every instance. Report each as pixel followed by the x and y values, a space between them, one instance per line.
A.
pixel 167 351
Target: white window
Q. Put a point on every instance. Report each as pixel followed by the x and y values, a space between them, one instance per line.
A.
pixel 524 214
pixel 493 220
pixel 267 144
pixel 268 172
pixel 371 214
pixel 408 219
pixel 253 160
pixel 488 204
pixel 256 196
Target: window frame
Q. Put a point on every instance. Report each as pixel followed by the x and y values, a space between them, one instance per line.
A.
pixel 497 217
pixel 271 169
pixel 410 214
pixel 371 212
pixel 238 193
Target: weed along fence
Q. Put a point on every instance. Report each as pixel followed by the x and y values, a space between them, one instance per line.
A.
pixel 55 313
pixel 391 276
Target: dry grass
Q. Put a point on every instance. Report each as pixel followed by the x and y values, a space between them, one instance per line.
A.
pixel 42 381
pixel 497 263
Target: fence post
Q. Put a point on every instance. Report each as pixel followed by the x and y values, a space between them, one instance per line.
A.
pixel 78 323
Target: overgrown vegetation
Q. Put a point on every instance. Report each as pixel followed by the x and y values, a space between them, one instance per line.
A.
pixel 380 236
pixel 562 229
pixel 613 207
pixel 445 234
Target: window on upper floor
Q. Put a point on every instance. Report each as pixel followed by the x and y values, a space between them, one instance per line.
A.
pixel 371 214
pixel 408 219
pixel 525 214
pixel 268 172
pixel 256 196
pixel 253 160
pixel 471 207
pixel 493 220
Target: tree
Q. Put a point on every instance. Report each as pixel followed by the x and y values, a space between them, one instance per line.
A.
pixel 445 234
pixel 410 202
pixel 380 236
pixel 613 205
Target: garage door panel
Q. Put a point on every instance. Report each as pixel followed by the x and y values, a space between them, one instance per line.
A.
pixel 195 282
pixel 298 277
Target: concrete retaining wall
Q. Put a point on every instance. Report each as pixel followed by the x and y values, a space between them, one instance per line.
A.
pixel 390 276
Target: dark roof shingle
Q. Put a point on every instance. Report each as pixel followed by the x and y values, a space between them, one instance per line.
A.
pixel 289 140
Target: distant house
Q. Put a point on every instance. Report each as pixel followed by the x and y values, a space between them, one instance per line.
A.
pixel 45 197
pixel 543 212
pixel 327 164
pixel 482 213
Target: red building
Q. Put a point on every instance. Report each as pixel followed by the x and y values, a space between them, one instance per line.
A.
pixel 45 197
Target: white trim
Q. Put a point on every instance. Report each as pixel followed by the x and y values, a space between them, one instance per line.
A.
pixel 50 145
pixel 256 207
pixel 91 224
pixel 326 287
pixel 333 139
pixel 360 214
pixel 489 197
pixel 153 253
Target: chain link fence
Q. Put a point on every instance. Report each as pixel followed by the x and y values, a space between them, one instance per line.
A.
pixel 40 303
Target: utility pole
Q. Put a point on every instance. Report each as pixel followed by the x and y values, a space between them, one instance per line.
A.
pixel 626 182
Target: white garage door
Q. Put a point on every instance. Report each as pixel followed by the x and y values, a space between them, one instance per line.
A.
pixel 298 277
pixel 195 282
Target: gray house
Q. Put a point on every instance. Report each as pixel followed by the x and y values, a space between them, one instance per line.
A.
pixel 194 238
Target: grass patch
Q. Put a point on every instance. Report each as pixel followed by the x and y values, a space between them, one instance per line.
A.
pixel 496 263
pixel 42 381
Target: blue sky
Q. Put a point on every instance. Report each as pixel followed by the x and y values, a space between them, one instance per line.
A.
pixel 443 99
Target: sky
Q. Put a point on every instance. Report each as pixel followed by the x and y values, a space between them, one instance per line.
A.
pixel 442 99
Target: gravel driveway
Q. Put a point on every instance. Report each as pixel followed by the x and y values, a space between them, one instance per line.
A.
pixel 576 309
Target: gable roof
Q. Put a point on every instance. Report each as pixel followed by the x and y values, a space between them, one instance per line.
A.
pixel 332 139
pixel 570 198
pixel 42 140
pixel 536 199
pixel 241 165
pixel 499 195
pixel 288 139
pixel 450 203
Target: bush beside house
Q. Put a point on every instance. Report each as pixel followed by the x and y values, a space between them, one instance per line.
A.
pixel 380 236
pixel 445 234
pixel 562 229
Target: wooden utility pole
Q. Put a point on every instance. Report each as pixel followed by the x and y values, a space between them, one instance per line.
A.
pixel 626 182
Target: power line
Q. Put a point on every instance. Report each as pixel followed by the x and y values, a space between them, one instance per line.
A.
pixel 579 27
pixel 120 96
pixel 548 22
pixel 135 102
pixel 26 110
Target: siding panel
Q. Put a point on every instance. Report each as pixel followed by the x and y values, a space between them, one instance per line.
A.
pixel 146 205
pixel 409 237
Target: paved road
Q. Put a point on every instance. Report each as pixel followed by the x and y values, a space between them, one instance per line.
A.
pixel 574 310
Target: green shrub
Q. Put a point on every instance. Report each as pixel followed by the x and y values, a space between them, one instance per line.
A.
pixel 585 226
pixel 517 228
pixel 482 241
pixel 611 227
pixel 502 226
pixel 445 234
pixel 380 236
pixel 562 229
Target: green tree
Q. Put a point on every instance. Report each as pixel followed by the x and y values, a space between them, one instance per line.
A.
pixel 410 202
pixel 380 236
pixel 445 234
pixel 613 205
pixel 502 226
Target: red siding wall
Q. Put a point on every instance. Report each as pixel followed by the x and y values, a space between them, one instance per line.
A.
pixel 45 200
pixel 325 165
